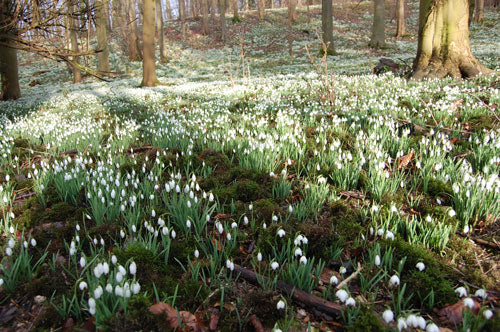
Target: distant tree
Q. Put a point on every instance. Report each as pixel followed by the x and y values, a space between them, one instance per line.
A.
pixel 204 17
pixel 73 40
pixel 222 12
pixel 443 41
pixel 182 16
pixel 168 9
pixel 235 10
pixel 161 30
pixel 133 41
pixel 260 9
pixel 400 18
pixel 327 24
pixel 148 45
pixel 292 10
pixel 378 28
pixel 8 54
pixel 102 36
pixel 479 16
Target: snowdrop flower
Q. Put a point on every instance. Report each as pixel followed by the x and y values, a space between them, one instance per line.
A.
pixel 271 174
pixel 401 324
pixel 303 260
pixel 234 225
pixel 122 233
pixel 428 218
pixel 274 265
pixel 230 265
pixel 334 280
pixel 274 218
pixel 136 288
pixel 98 270
pixel 134 229
pixel 420 266
pixel 280 305
pixel 109 288
pixel 164 231
pixel 290 209
pixel 432 328
pixel 98 292
pixel 118 291
pixel 228 236
pixel 377 260
pixel 211 197
pixel 466 229
pixel 259 257
pixel 421 323
pixel 92 303
pixel 374 208
pixel 33 242
pixel 394 280
pixel 114 259
pixel 132 268
pixel 25 244
pixel 341 295
pixel 281 232
pixel 245 220
pixel 298 252
pixel 412 321
pixel 82 262
pixel 461 291
pixel 82 285
pixel 342 270
pixel 173 234
pixel 452 213
pixel 119 277
pixel 1 282
pixel 250 207
pixel 481 293
pixel 487 313
pixel 196 253
pixel 380 232
pixel 350 302
pixel 389 235
pixel 11 243
pixel 188 223
pixel 388 316
pixel 468 302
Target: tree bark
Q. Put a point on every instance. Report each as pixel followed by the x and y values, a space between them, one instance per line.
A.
pixel 292 10
pixel 378 33
pixel 161 31
pixel 260 9
pixel 168 9
pixel 400 18
pixel 102 36
pixel 73 26
pixel 479 16
pixel 327 24
pixel 204 17
pixel 182 16
pixel 235 11
pixel 443 41
pixel 8 58
pixel 148 44
pixel 133 41
pixel 222 11
pixel 213 9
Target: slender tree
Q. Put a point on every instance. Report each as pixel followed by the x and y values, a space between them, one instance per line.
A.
pixel 102 36
pixel 378 28
pixel 182 16
pixel 8 55
pixel 327 24
pixel 443 41
pixel 235 10
pixel 400 18
pixel 222 11
pixel 213 9
pixel 479 16
pixel 73 40
pixel 161 31
pixel 148 45
pixel 168 9
pixel 133 41
pixel 260 9
pixel 204 17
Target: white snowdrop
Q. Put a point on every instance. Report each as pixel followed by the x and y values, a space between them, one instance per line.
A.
pixel 432 328
pixel 334 280
pixel 401 324
pixel 388 316
pixel 487 313
pixel 259 257
pixel 82 285
pixel 377 260
pixel 281 232
pixel 274 265
pixel 481 293
pixel 280 305
pixel 196 253
pixel 342 295
pixel 132 268
pixel 468 302
pixel 303 260
pixel 350 302
pixel 394 280
pixel 420 266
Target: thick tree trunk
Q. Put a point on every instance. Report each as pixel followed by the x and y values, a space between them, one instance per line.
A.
pixel 443 41
pixel 133 47
pixel 292 10
pixel 148 44
pixel 400 18
pixel 260 9
pixel 222 11
pixel 8 59
pixel 161 31
pixel 327 24
pixel 204 17
pixel 479 16
pixel 378 29
pixel 73 26
pixel 102 36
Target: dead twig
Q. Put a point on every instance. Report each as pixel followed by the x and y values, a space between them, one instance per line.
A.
pixel 351 277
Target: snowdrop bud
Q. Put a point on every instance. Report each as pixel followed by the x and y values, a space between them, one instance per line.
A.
pixel 82 285
pixel 432 328
pixel 220 228
pixel 245 220
pixel 377 260
pixel 250 207
pixel 264 225
pixel 466 229
pixel 259 257
pixel 114 259
pixel 132 268
pixel 102 242
pixel 341 295
pixel 228 236
pixel 25 244
pixel 334 280
pixel 82 262
pixel 461 291
pixel 173 234
pixel 420 266
pixel 280 305
pixel 388 316
pixel 274 265
pixel 77 227
pixel 394 280
pixel 468 302
pixel 290 209
pixel 196 253
pixel 350 302
pixel 188 223
pixel 33 242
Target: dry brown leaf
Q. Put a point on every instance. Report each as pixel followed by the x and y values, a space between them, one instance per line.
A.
pixel 222 216
pixel 189 321
pixel 217 244
pixel 405 160
pixel 214 321
pixel 453 312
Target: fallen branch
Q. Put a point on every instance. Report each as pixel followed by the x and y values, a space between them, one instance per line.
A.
pixel 352 276
pixel 298 295
pixel 492 245
pixel 257 325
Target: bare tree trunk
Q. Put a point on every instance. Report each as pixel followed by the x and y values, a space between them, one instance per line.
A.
pixel 213 9
pixel 73 26
pixel 102 37
pixel 235 11
pixel 443 41
pixel 327 24
pixel 479 16
pixel 378 33
pixel 204 17
pixel 161 31
pixel 192 8
pixel 400 18
pixel 8 57
pixel 148 44
pixel 246 5
pixel 182 16
pixel 260 9
pixel 222 11
pixel 133 47
pixel 292 10
pixel 108 20
pixel 168 9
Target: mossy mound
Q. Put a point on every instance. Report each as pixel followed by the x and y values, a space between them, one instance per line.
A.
pixel 367 321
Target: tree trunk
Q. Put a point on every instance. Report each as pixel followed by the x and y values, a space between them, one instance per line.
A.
pixel 222 11
pixel 102 36
pixel 168 9
pixel 204 17
pixel 327 24
pixel 8 59
pixel 148 44
pixel 161 31
pixel 182 16
pixel 443 41
pixel 213 9
pixel 472 4
pixel 108 20
pixel 292 10
pixel 235 11
pixel 73 26
pixel 400 18
pixel 133 42
pixel 378 34
pixel 246 5
pixel 260 9
pixel 479 11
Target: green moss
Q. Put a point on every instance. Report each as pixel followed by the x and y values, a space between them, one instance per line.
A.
pixel 437 188
pixel 265 209
pixel 181 250
pixel 493 325
pixel 367 321
pixel 47 282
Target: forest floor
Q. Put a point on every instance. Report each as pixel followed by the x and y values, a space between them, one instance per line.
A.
pixel 254 190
